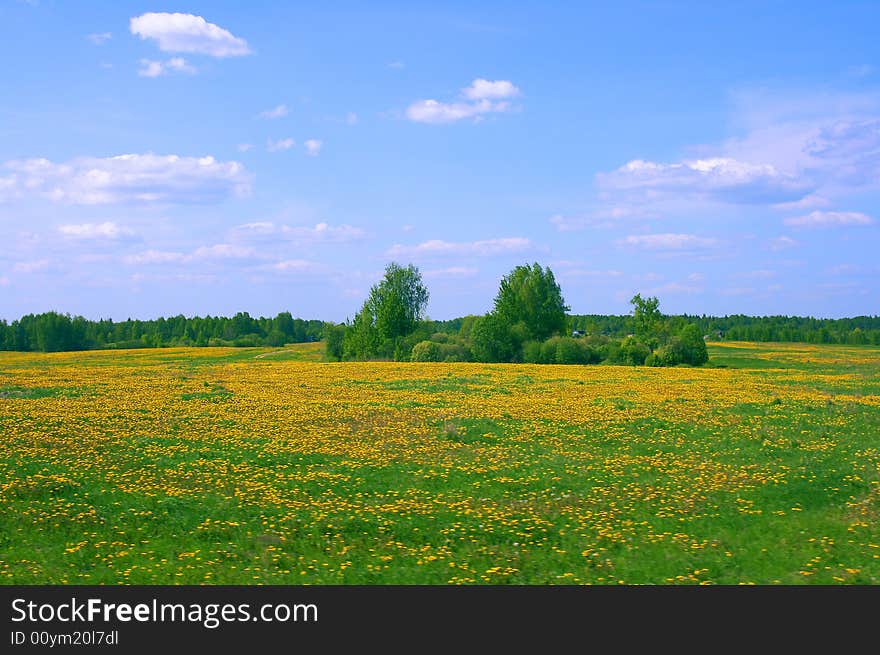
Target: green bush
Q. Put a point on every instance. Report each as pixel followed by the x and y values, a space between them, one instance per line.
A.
pixel 532 352
pixel 692 346
pixel 570 351
pixel 426 351
pixel 632 352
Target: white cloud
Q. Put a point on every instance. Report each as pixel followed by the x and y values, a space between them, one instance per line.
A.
pixel 224 251
pixel 675 288
pixel 319 233
pixel 280 145
pixel 188 33
pixel 738 291
pixel 99 38
pixel 432 111
pixel 220 251
pixel 155 257
pixel 277 112
pixel 351 118
pixel 4 281
pixel 313 147
pixel 244 147
pixel 152 68
pixel 396 64
pixel 826 219
pixel 781 243
pixel 760 274
pixel 589 273
pixel 440 248
pixel 106 230
pixel 808 202
pixel 296 266
pixel 719 178
pixel 601 218
pixel 452 271
pixel 480 98
pixel 480 89
pixel 668 242
pixel 130 178
pixel 37 266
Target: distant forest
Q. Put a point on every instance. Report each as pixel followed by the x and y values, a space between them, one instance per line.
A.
pixel 52 332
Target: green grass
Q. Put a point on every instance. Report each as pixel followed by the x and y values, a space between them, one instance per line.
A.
pixel 783 489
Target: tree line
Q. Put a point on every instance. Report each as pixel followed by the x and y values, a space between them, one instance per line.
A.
pixel 859 330
pixel 54 332
pixel 529 322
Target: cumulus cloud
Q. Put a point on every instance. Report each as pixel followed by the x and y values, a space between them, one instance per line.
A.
pixel 480 89
pixel 438 248
pixel 720 178
pixel 277 112
pixel 669 242
pixel 313 147
pixel 280 145
pixel 130 178
pixel 188 33
pixel 480 98
pixel 152 68
pixel 106 230
pixel 828 219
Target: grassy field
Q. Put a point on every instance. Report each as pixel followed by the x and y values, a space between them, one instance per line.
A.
pixel 243 466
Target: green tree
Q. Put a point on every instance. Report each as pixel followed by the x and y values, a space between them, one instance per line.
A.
pixel 530 303
pixel 334 338
pixel 492 341
pixel 647 318
pixel 398 302
pixel 692 346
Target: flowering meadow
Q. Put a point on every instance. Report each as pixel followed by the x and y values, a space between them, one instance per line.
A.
pixel 269 466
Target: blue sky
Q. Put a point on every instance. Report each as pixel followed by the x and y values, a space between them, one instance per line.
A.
pixel 198 158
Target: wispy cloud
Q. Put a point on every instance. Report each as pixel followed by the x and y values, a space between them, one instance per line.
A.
pixel 829 218
pixel 319 233
pixel 153 68
pixel 668 241
pixel 451 272
pixel 280 145
pixel 439 248
pixel 105 230
pixel 313 147
pixel 99 38
pixel 720 178
pixel 130 178
pixel 781 243
pixel 276 112
pixel 34 266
